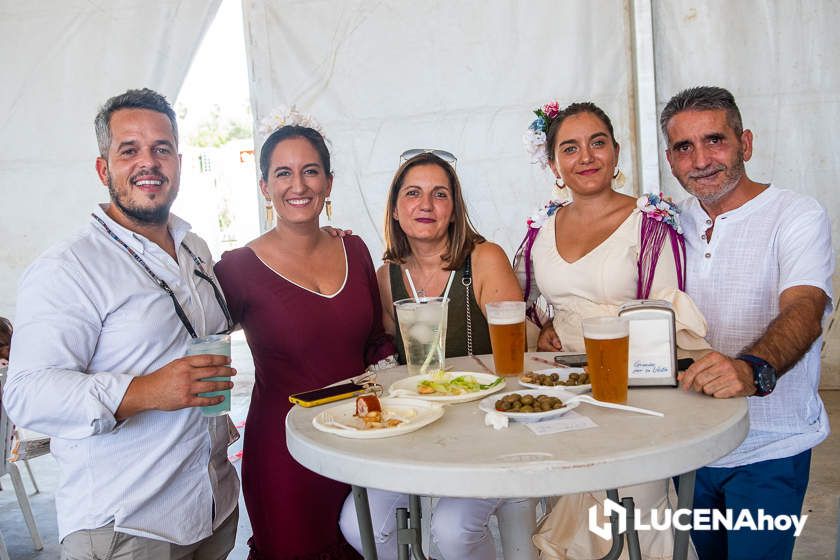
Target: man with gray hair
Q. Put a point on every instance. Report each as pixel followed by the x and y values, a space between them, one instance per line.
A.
pixel 103 324
pixel 759 267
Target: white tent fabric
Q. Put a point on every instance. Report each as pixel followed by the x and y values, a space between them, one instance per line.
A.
pixel 60 60
pixel 779 60
pixel 462 76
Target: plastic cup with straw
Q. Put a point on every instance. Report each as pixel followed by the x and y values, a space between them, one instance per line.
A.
pixel 439 341
pixel 422 323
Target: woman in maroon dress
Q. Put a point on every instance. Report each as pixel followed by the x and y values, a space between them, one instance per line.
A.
pixel 309 305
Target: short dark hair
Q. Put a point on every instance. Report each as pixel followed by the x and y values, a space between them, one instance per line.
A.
pixel 293 131
pixel 132 99
pixel 702 98
pixel 575 109
pixel 461 233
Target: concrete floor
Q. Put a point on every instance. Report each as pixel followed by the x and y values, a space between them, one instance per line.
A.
pixel 817 542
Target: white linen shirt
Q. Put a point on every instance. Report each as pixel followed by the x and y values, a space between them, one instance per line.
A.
pixel 89 319
pixel 777 240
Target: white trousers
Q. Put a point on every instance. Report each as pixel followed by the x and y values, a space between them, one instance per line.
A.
pixel 459 525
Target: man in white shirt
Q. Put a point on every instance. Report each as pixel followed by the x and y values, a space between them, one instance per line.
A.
pixel 759 266
pixel 103 323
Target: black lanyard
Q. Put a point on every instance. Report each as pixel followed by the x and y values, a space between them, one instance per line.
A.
pixel 198 272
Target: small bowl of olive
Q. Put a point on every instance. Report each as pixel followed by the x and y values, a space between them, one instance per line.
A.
pixel 529 405
pixel 574 380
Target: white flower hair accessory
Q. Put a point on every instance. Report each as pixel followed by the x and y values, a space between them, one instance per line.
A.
pixel 288 116
pixel 534 138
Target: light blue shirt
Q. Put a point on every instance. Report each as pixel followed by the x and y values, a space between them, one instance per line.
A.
pixel 777 240
pixel 89 319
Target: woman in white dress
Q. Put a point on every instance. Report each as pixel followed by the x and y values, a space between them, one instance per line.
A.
pixel 587 256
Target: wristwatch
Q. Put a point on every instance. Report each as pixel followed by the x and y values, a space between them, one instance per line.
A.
pixel 764 375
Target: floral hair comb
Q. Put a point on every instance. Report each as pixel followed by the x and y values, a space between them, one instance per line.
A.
pixel 534 137
pixel 288 116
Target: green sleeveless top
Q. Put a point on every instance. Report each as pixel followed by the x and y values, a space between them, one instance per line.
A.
pixel 456 317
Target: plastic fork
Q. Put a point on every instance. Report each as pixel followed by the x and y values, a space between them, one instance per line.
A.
pixel 329 420
pixel 596 402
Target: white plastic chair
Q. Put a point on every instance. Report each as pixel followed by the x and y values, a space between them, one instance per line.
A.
pixel 6 431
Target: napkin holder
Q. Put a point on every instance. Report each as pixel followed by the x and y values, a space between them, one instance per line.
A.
pixel 652 359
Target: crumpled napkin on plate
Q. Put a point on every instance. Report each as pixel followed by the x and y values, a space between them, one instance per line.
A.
pixel 498 421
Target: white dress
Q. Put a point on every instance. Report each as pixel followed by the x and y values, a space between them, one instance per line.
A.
pixel 602 280
pixel 594 285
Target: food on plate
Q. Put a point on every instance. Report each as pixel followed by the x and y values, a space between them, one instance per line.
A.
pixel 514 402
pixel 369 411
pixel 366 404
pixel 553 379
pixel 444 384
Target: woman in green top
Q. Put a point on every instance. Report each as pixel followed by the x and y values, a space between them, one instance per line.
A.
pixel 429 234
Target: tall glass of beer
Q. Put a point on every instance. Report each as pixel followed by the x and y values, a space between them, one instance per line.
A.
pixel 607 341
pixel 507 336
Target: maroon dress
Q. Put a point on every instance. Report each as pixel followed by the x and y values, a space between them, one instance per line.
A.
pixel 300 340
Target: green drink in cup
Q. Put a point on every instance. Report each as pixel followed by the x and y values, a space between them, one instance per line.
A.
pixel 213 344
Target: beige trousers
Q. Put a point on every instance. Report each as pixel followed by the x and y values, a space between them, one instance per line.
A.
pixel 106 544
pixel 564 534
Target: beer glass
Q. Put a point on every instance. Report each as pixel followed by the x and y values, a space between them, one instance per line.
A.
pixel 423 330
pixel 213 344
pixel 506 320
pixel 607 341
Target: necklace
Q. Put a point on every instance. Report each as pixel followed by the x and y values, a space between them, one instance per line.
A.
pixel 423 282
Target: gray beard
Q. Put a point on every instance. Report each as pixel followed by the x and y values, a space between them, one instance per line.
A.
pixel 734 175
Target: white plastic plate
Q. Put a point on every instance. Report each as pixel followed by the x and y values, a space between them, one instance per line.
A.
pixel 563 372
pixel 489 404
pixel 407 387
pixel 415 413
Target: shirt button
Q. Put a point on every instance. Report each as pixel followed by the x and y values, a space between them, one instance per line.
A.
pixel 708 222
pixel 708 255
pixel 703 236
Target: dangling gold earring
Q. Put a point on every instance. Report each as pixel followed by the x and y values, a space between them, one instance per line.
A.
pixel 328 209
pixel 618 179
pixel 269 213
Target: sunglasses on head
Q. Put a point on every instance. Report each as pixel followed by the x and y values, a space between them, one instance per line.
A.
pixel 448 157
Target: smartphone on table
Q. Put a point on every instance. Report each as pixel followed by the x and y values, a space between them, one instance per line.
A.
pixel 328 394
pixel 570 360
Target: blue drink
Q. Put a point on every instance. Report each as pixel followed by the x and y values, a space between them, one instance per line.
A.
pixel 213 344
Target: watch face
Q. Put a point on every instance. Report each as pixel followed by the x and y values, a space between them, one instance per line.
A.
pixel 765 378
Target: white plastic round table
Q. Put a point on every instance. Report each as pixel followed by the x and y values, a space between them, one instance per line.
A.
pixel 460 456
